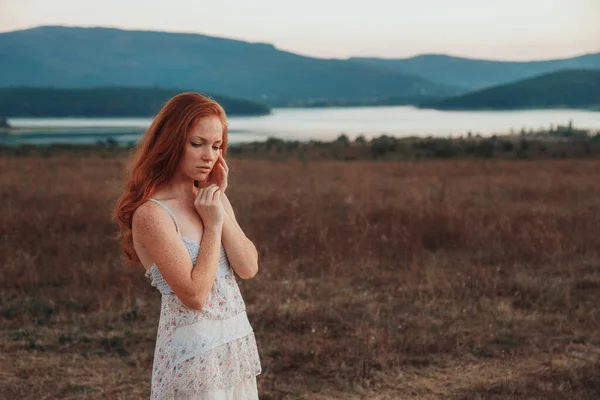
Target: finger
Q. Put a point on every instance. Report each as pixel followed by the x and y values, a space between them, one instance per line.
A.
pixel 217 196
pixel 210 193
pixel 207 193
pixel 223 169
pixel 224 163
pixel 221 158
pixel 200 196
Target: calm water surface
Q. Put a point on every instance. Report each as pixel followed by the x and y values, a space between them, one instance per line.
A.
pixel 310 123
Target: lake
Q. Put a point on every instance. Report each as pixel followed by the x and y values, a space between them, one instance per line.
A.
pixel 310 123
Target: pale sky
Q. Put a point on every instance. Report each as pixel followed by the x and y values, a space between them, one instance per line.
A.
pixel 493 29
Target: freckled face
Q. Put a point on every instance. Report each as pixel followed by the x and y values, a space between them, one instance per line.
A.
pixel 202 148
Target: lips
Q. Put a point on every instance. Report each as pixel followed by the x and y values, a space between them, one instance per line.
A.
pixel 204 168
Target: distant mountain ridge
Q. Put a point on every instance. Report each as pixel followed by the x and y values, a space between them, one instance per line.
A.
pixel 94 57
pixel 470 74
pixel 62 57
pixel 104 102
pixel 562 89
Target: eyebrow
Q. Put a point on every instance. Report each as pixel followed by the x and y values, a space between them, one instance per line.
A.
pixel 205 140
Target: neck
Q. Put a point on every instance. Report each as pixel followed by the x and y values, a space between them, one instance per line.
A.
pixel 181 188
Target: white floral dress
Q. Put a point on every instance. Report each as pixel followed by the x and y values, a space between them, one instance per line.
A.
pixel 209 353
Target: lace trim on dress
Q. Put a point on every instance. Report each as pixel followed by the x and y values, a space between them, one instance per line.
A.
pixel 245 390
pixel 192 340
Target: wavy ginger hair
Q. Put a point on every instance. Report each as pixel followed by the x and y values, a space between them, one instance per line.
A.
pixel 156 158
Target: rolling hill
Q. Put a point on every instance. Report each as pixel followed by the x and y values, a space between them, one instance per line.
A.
pixel 471 74
pixel 103 102
pixel 94 57
pixel 562 89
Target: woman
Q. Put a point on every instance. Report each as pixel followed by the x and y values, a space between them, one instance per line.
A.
pixel 177 222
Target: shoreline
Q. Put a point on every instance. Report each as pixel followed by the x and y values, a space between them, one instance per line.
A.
pixel 62 131
pixel 559 142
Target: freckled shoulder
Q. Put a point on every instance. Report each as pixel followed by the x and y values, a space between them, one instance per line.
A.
pixel 151 223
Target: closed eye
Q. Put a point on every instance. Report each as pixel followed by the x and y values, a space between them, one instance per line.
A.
pixel 194 144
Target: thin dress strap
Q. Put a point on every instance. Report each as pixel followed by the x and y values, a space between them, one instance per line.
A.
pixel 168 212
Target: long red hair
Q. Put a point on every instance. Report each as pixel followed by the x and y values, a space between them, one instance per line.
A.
pixel 157 156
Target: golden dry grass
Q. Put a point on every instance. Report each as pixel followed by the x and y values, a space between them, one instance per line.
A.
pixel 391 280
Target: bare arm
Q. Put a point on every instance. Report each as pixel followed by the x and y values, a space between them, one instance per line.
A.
pixel 154 229
pixel 241 252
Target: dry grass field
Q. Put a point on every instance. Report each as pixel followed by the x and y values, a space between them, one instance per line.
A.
pixel 378 280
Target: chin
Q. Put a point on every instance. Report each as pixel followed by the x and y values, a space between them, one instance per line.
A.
pixel 202 177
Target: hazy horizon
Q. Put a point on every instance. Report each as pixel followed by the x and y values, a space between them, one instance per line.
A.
pixel 315 56
pixel 509 31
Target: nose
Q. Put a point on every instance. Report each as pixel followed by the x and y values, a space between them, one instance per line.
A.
pixel 208 154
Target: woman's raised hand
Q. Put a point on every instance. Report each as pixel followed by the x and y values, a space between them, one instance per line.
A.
pixel 220 173
pixel 208 205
